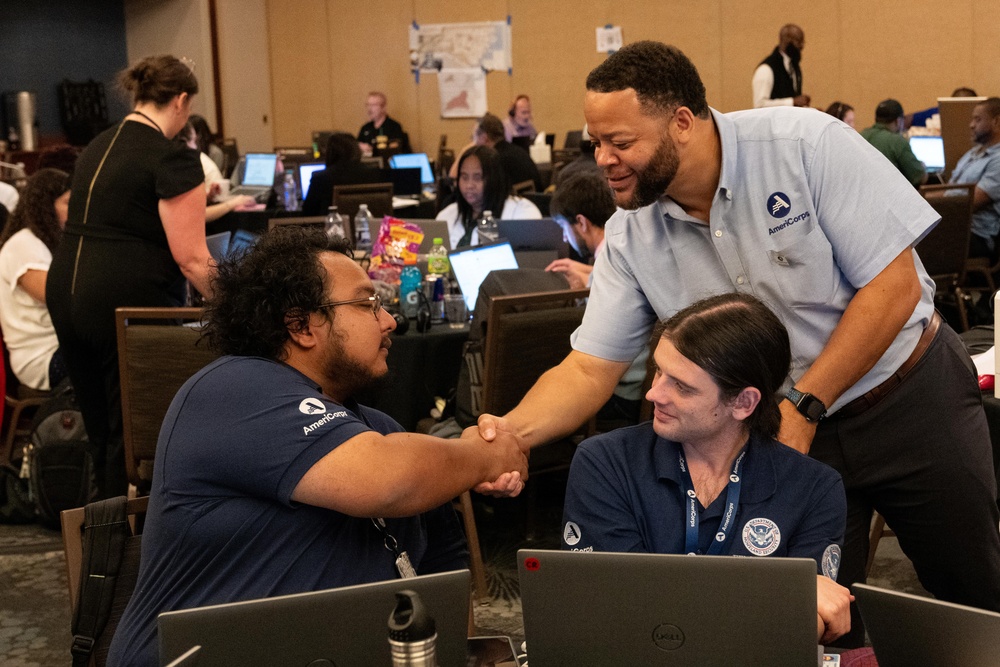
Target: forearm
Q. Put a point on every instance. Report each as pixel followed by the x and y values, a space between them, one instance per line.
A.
pixel 401 474
pixel 564 398
pixel 870 324
pixel 199 271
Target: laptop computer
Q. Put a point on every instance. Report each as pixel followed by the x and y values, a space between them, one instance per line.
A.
pixel 654 609
pixel 930 151
pixel 432 229
pixel 414 160
pixel 405 181
pixel 471 266
pixel 306 171
pixel 257 176
pixel 344 626
pixel 218 245
pixel 909 630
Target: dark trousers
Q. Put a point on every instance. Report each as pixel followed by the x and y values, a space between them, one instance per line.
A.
pixel 922 458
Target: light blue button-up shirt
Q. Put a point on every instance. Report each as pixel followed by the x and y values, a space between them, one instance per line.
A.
pixel 806 213
pixel 982 167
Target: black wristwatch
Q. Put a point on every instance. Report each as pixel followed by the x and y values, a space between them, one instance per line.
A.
pixel 811 407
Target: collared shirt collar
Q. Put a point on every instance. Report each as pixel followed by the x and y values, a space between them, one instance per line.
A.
pixel 758 467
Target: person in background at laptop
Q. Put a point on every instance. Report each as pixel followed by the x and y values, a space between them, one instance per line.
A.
pixel 714 203
pixel 267 470
pixel 582 205
pixel 517 164
pixel 886 135
pixel 518 122
pixel 343 167
pixel 206 140
pixel 32 232
pixel 981 165
pixel 706 476
pixel 482 186
pixel 842 111
pixel 213 179
pixel 920 118
pixel 381 133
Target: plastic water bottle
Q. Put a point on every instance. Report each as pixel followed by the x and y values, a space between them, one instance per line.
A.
pixel 488 229
pixel 290 192
pixel 363 229
pixel 412 634
pixel 437 259
pixel 334 224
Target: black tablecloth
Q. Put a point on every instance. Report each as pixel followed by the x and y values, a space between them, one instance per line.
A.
pixel 421 366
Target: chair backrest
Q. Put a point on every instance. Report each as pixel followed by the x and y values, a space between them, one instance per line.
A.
pixel 527 335
pixel 348 198
pixel 573 139
pixel 523 186
pixel 945 249
pixel 72 536
pixel 230 156
pixel 307 220
pixel 156 355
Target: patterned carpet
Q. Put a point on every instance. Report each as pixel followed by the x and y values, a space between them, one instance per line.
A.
pixel 34 601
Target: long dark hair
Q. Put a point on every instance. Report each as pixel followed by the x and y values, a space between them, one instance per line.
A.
pixel 36 209
pixel 496 187
pixel 737 340
pixel 203 135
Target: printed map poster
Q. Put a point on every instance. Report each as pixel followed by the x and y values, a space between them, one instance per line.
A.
pixel 463 92
pixel 440 46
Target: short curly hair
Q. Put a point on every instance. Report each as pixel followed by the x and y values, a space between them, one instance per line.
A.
pixel 271 289
pixel 661 75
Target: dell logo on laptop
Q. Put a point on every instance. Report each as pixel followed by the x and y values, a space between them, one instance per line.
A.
pixel 668 637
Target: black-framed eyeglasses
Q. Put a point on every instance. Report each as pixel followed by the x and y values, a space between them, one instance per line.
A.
pixel 375 300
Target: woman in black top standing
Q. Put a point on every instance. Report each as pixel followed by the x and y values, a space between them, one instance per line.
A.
pixel 136 231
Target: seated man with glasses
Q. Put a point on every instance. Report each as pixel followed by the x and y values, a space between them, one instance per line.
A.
pixel 270 479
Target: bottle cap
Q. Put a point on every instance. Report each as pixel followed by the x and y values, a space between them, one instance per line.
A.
pixel 438 240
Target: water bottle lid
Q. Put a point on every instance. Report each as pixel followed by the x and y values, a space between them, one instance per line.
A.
pixel 438 240
pixel 410 620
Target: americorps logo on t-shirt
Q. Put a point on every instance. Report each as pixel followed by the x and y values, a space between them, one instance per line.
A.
pixel 314 406
pixel 779 205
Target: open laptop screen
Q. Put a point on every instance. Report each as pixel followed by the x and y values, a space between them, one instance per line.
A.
pixel 260 169
pixel 472 265
pixel 306 171
pixel 411 160
pixel 930 151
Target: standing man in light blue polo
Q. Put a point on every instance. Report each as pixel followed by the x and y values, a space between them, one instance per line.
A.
pixel 981 165
pixel 796 208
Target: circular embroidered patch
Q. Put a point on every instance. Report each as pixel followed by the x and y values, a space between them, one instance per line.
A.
pixel 761 537
pixel 831 561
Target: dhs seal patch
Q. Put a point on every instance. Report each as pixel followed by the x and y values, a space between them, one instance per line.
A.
pixel 831 561
pixel 779 205
pixel 761 537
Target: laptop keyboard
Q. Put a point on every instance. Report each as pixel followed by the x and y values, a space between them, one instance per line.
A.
pixel 256 193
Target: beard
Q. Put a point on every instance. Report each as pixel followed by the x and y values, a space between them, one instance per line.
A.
pixel 655 178
pixel 354 376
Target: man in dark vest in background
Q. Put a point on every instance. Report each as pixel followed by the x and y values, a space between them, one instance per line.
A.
pixel 777 81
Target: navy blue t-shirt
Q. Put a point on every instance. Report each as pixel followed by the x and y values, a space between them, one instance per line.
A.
pixel 625 493
pixel 222 527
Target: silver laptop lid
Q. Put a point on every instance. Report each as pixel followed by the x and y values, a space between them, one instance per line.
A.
pixel 588 608
pixel 346 626
pixel 909 630
pixel 471 266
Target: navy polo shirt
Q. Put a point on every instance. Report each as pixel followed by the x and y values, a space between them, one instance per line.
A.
pixel 625 494
pixel 222 526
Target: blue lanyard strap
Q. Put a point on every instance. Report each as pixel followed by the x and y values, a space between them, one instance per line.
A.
pixel 728 517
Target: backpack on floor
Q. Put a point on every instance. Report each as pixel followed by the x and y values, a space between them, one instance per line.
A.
pixel 15 501
pixel 58 461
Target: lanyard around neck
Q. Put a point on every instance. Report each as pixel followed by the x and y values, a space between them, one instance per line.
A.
pixel 728 517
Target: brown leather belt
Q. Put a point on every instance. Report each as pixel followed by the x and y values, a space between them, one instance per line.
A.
pixel 870 399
